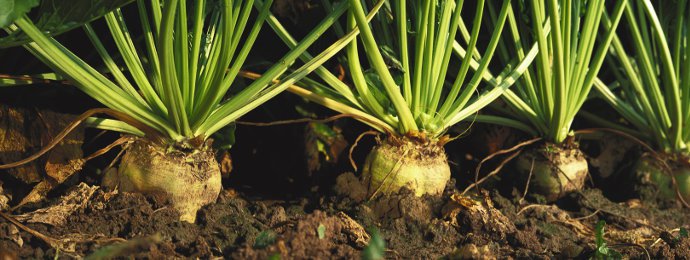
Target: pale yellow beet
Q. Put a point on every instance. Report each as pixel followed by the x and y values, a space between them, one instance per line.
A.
pixel 401 162
pixel 190 180
pixel 555 173
pixel 652 171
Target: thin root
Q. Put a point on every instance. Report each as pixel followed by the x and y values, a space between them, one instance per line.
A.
pixel 492 173
pixel 529 178
pixel 621 133
pixel 118 142
pixel 396 169
pixel 588 216
pixel 380 125
pixel 48 240
pixel 352 148
pixel 497 153
pixel 523 209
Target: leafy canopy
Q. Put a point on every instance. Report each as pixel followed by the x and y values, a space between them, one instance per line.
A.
pixel 651 87
pixel 176 79
pixel 409 79
pixel 547 97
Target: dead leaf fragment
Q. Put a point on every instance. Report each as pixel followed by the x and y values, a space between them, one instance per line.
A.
pixel 456 204
pixel 4 199
pixel 57 214
pixel 354 230
pixel 14 235
pixel 25 131
pixel 478 214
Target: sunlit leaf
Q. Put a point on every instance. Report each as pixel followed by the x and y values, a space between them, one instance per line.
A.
pixel 10 10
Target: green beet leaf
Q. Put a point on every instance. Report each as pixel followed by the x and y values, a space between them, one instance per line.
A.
pixel 10 10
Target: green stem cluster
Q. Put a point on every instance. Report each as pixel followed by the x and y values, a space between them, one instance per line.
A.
pixel 652 88
pixel 554 88
pixel 192 56
pixel 412 84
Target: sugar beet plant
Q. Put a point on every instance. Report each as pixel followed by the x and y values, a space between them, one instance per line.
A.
pixel 172 93
pixel 408 83
pixel 552 90
pixel 652 89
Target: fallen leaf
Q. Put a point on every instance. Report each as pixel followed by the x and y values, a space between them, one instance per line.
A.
pixel 14 235
pixel 456 204
pixel 57 214
pixel 479 212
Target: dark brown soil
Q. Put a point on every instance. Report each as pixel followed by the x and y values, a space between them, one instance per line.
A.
pixel 487 225
pixel 221 228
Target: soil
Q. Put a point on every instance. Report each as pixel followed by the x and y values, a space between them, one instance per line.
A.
pixel 485 225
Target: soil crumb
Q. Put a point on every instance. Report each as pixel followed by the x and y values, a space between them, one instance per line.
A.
pixel 317 236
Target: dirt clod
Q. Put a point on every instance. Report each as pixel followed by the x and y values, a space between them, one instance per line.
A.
pixel 471 251
pixel 348 185
pixel 678 250
pixel 301 240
